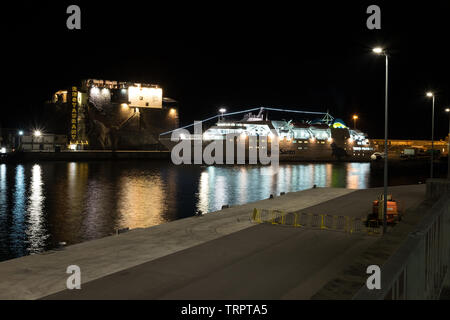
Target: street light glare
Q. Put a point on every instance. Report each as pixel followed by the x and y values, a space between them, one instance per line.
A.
pixel 378 50
pixel 447 110
pixel 429 94
pixel 355 117
pixel 37 133
pixel 222 110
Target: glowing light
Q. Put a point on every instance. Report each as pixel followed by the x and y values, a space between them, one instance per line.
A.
pixel 124 106
pixel 37 133
pixel 430 94
pixel 182 136
pixel 447 110
pixel 95 91
pixel 350 140
pixel 172 112
pixel 3 150
pixel 20 133
pixel 355 117
pixel 378 50
pixel 312 140
pixel 330 140
pixel 222 110
pixel 73 147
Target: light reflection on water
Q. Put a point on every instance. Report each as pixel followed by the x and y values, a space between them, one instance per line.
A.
pixel 238 185
pixel 43 204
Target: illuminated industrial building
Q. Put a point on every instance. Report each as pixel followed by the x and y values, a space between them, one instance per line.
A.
pixel 113 115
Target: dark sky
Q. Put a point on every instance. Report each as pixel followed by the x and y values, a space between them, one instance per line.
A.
pixel 296 55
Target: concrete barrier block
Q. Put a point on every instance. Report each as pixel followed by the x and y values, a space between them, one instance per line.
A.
pixel 437 188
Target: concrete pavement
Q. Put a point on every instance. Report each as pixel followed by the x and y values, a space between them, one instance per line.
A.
pixel 261 262
pixel 37 276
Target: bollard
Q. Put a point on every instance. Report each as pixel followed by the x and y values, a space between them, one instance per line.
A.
pixel 123 230
pixel 199 213
pixel 225 206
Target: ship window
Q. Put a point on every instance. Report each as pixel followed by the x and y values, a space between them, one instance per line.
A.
pixel 300 148
pixel 305 141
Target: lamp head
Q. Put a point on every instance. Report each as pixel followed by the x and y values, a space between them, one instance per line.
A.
pixel 430 94
pixel 378 50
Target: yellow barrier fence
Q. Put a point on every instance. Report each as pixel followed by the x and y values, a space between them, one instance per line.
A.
pixel 315 221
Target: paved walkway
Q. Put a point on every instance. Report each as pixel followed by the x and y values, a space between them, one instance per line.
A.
pixel 261 262
pixel 36 276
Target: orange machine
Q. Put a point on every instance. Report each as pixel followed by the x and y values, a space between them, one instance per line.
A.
pixel 393 212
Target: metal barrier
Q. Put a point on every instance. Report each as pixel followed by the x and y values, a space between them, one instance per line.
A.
pixel 314 221
pixel 418 268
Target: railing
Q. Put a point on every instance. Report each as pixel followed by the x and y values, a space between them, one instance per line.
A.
pixel 314 221
pixel 418 268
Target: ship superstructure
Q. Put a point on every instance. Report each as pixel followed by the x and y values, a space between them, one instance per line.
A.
pixel 323 139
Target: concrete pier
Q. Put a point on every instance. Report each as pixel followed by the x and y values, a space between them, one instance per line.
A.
pixel 221 255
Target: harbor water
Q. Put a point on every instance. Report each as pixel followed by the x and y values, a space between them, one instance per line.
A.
pixel 43 204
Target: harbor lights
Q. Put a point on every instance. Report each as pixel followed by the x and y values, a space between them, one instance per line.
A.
pixel 37 133
pixel 20 132
pixel 355 117
pixel 448 146
pixel 222 111
pixel 381 51
pixel 431 95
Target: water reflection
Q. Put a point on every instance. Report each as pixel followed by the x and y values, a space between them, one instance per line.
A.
pixel 224 185
pixel 43 204
pixel 18 213
pixel 141 200
pixel 36 232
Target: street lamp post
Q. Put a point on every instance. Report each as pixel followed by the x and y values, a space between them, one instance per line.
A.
pixel 19 146
pixel 431 95
pixel 222 111
pixel 448 145
pixel 355 117
pixel 381 51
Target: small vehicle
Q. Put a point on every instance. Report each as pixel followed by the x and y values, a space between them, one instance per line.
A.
pixel 377 156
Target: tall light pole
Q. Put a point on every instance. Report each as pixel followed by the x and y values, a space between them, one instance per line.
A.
pixel 381 51
pixel 355 117
pixel 431 95
pixel 222 111
pixel 448 145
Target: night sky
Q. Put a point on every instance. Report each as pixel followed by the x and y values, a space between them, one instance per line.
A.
pixel 222 53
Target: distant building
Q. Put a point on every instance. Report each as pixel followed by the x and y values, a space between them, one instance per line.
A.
pixel 398 145
pixel 103 114
pixel 45 142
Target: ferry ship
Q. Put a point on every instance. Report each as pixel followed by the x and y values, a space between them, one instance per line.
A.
pixel 323 139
